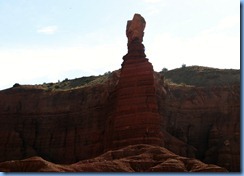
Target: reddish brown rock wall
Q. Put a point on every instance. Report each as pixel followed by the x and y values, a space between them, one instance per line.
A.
pixel 206 118
pixel 60 126
pixel 68 126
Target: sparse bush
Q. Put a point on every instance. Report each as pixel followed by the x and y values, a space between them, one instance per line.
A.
pixel 65 80
pixel 164 70
pixel 16 85
pixel 183 66
pixel 107 73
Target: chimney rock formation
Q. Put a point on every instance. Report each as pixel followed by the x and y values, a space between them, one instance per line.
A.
pixel 135 118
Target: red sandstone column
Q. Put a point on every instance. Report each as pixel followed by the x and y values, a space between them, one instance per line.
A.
pixel 134 118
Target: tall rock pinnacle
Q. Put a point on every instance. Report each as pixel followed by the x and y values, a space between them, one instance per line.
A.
pixel 134 118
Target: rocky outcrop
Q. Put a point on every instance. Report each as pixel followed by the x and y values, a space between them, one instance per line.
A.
pixel 133 158
pixel 206 118
pixel 135 28
pixel 60 126
pixel 69 126
pixel 133 107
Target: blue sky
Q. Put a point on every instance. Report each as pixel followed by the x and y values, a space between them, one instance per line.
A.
pixel 46 41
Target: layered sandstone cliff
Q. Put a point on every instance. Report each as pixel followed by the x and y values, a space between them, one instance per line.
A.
pixel 69 126
pixel 207 118
pixel 60 126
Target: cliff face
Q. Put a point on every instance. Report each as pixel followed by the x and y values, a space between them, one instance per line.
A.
pixel 69 126
pixel 208 119
pixel 60 126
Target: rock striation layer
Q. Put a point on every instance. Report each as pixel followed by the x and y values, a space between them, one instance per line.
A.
pixel 134 118
pixel 133 158
pixel 60 126
pixel 207 118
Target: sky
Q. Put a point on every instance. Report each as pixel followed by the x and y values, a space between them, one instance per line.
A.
pixel 46 41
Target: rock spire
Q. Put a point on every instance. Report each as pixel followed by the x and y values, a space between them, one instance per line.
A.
pixel 135 118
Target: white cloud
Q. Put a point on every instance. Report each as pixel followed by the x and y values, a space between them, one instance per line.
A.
pixel 48 30
pixel 26 66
